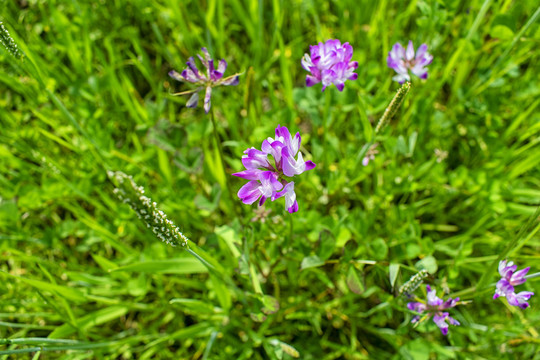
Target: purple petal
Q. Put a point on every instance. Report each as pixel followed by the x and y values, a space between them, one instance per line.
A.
pixel 222 66
pixel 310 165
pixel 230 81
pixel 176 76
pixel 421 51
pixel 417 306
pixel 193 100
pixel 409 53
pixel 432 298
pixel 420 71
pixel 249 193
pixel 365 161
pixel 189 76
pixel 401 78
pixel 440 321
pixel 452 321
pixel 518 277
pixel 193 67
pixel 210 68
pixel 290 197
pixel 254 159
pixel 294 207
pixel 311 80
pixel 207 99
pixel 250 174
pixel 397 52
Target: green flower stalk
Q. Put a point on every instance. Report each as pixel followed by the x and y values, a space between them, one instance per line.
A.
pixel 364 156
pixel 414 282
pixel 7 41
pixel 394 106
pixel 130 193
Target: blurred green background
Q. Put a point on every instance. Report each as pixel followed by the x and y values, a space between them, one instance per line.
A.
pixel 455 180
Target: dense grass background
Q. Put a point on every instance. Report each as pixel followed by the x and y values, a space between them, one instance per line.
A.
pixel 82 278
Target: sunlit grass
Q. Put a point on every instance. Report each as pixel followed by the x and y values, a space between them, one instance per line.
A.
pixel 453 188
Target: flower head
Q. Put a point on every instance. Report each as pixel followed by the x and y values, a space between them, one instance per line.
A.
pixel 435 306
pixel 268 169
pixel 510 278
pixel 330 63
pixel 212 77
pixel 402 60
pixel 370 155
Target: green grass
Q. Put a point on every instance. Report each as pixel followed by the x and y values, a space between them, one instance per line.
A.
pixel 82 278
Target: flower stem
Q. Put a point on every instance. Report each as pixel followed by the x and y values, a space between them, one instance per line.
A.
pixel 532 276
pixel 389 113
pixel 393 107
pixel 326 112
pixel 222 160
pixel 254 279
pixel 291 230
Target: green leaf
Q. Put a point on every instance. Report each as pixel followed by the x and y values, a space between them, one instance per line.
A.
pixel 327 243
pixel 428 263
pixel 168 266
pixel 379 249
pixel 354 282
pixel 349 250
pixel 270 304
pixel 311 261
pixel 501 32
pixel 393 272
pixel 231 238
pixel 104 263
pixel 64 291
pixel 196 306
pixel 86 322
pixel 222 292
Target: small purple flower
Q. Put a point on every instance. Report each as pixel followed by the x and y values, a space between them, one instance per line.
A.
pixel 268 169
pixel 510 278
pixel 330 63
pixel 212 78
pixel 402 61
pixel 435 307
pixel 370 155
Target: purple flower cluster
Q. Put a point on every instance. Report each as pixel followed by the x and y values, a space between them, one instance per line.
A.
pixel 435 307
pixel 330 63
pixel 402 61
pixel 212 78
pixel 511 278
pixel 267 177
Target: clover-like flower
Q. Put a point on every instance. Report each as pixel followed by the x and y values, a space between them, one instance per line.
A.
pixel 510 278
pixel 370 155
pixel 330 63
pixel 268 170
pixel 212 78
pixel 435 307
pixel 402 61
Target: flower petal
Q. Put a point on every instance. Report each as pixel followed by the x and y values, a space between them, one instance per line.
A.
pixel 249 193
pixel 193 100
pixel 207 99
pixel 409 53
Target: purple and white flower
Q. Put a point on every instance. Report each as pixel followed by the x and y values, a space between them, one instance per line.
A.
pixel 330 63
pixel 435 306
pixel 212 78
pixel 370 155
pixel 402 60
pixel 510 278
pixel 268 170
